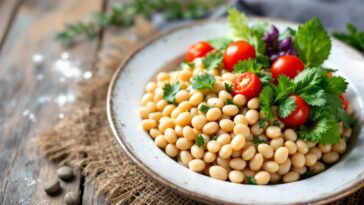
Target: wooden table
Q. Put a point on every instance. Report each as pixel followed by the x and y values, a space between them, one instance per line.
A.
pixel 28 27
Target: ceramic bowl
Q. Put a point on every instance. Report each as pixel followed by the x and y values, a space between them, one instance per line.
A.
pixel 127 88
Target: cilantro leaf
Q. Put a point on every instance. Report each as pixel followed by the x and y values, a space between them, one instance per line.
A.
pixel 337 85
pixel 312 43
pixel 314 96
pixel 257 140
pixel 185 62
pixel 203 82
pixel 214 138
pixel 229 101
pixel 228 87
pixel 248 65
pixel 265 77
pixel 288 32
pixel 170 91
pixel 204 108
pixel 308 78
pixel 287 107
pixel 323 130
pixel 238 23
pixel 266 98
pixel 262 123
pixel 285 88
pixel 200 141
pixel 251 180
pixel 212 60
pixel 220 43
pixel 348 120
pixel 276 123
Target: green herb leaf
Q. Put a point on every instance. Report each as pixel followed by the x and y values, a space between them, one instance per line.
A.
pixel 204 108
pixel 287 107
pixel 214 138
pixel 276 123
pixel 308 78
pixel 266 98
pixel 262 124
pixel 257 140
pixel 314 96
pixel 203 82
pixel 285 88
pixel 251 180
pixel 312 43
pixel 212 60
pixel 238 23
pixel 323 130
pixel 248 65
pixel 337 85
pixel 170 91
pixel 265 77
pixel 353 37
pixel 200 141
pixel 220 43
pixel 229 101
pixel 288 32
pixel 185 62
pixel 348 120
pixel 228 87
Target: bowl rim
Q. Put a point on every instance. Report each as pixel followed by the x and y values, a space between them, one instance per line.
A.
pixel 119 135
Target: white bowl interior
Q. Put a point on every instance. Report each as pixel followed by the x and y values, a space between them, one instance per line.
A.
pixel 129 87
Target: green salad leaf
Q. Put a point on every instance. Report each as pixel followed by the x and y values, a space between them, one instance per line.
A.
pixel 239 28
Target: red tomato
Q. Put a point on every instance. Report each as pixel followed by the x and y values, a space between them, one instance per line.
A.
pixel 247 84
pixel 344 101
pixel 239 50
pixel 198 50
pixel 300 115
pixel 287 65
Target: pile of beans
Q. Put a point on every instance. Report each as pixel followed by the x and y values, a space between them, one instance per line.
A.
pixel 231 150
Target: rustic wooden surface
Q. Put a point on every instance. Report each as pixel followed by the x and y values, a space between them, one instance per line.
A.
pixel 27 27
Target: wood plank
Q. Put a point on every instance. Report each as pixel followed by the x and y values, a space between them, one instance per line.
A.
pixel 23 170
pixel 8 10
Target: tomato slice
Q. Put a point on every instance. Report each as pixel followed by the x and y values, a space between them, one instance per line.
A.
pixel 237 51
pixel 198 50
pixel 288 65
pixel 344 102
pixel 247 84
pixel 300 115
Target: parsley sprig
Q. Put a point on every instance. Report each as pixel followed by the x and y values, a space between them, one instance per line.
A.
pixel 204 81
pixel 352 37
pixel 252 65
pixel 200 141
pixel 170 91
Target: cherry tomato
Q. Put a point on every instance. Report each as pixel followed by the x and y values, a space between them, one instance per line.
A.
pixel 300 115
pixel 239 50
pixel 247 84
pixel 288 65
pixel 198 50
pixel 344 101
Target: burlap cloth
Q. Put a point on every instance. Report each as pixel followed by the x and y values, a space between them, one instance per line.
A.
pixel 83 139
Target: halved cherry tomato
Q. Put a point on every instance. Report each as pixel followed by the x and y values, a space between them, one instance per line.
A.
pixel 300 115
pixel 198 50
pixel 288 65
pixel 239 50
pixel 344 102
pixel 247 84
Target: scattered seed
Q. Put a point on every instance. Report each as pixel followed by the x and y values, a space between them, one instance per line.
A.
pixel 65 172
pixel 52 186
pixel 72 198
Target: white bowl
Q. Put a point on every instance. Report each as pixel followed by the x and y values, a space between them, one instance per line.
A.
pixel 127 88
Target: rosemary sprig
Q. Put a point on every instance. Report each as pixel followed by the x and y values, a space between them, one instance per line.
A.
pixel 123 15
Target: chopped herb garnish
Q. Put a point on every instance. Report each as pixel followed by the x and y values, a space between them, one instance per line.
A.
pixel 185 62
pixel 352 37
pixel 258 140
pixel 220 43
pixel 287 107
pixel 203 82
pixel 262 124
pixel 170 91
pixel 214 138
pixel 200 141
pixel 228 87
pixel 204 108
pixel 276 123
pixel 251 180
pixel 307 174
